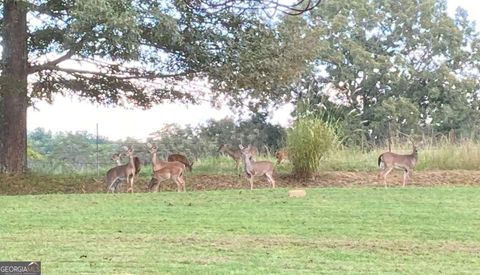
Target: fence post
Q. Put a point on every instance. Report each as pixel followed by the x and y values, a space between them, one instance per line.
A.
pixel 98 166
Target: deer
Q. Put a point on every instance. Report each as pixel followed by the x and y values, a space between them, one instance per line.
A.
pixel 281 155
pixel 117 158
pixel 236 154
pixel 256 168
pixel 388 161
pixel 158 164
pixel 174 169
pixel 181 158
pixel 117 175
pixel 168 172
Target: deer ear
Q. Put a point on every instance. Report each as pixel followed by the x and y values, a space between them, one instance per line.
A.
pixel 125 148
pixel 240 146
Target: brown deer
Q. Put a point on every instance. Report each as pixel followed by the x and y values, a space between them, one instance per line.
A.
pixel 117 175
pixel 388 161
pixel 168 172
pixel 166 169
pixel 159 164
pixel 281 155
pixel 117 158
pixel 236 154
pixel 181 158
pixel 256 168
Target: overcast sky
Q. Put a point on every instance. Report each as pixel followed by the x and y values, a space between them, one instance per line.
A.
pixel 67 114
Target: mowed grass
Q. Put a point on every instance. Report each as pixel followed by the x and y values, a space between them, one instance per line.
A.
pixel 332 230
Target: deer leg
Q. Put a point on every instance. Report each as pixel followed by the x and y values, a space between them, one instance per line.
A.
pixel 159 181
pixel 384 175
pixel 183 184
pixel 111 187
pixel 406 175
pixel 129 186
pixel 251 182
pixel 156 186
pixel 130 181
pixel 151 184
pixel 237 165
pixel 270 179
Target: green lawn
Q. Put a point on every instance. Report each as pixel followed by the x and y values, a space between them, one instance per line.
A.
pixel 332 230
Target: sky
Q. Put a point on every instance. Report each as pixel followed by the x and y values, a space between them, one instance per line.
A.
pixel 70 115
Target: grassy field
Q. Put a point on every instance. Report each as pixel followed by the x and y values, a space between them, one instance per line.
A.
pixel 333 231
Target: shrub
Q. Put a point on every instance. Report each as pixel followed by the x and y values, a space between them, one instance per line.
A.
pixel 308 141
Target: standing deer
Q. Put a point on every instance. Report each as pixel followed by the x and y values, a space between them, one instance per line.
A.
pixel 165 169
pixel 388 161
pixel 281 155
pixel 256 168
pixel 117 175
pixel 181 158
pixel 117 157
pixel 168 172
pixel 236 154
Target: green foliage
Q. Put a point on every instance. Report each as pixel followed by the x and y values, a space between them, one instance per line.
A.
pixel 331 230
pixel 33 154
pixel 401 62
pixel 308 142
pixel 167 42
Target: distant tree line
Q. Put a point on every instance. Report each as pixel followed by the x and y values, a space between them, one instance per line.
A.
pixel 79 149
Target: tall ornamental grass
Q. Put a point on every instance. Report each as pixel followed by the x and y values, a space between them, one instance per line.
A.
pixel 308 142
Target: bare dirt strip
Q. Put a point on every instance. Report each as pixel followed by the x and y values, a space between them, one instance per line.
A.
pixel 16 185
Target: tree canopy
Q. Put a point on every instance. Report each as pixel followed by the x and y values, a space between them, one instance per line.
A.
pixel 141 51
pixel 145 52
pixel 404 63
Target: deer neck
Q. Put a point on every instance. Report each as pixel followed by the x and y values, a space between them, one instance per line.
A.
pixel 156 163
pixel 248 166
pixel 415 153
pixel 154 159
pixel 131 162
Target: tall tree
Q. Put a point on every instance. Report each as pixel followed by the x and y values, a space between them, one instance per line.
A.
pixel 406 62
pixel 140 52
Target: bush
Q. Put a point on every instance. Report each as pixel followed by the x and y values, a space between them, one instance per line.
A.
pixel 308 141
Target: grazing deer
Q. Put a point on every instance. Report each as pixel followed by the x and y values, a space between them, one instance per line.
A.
pixel 168 172
pixel 181 158
pixel 281 155
pixel 236 154
pixel 256 168
pixel 117 175
pixel 388 160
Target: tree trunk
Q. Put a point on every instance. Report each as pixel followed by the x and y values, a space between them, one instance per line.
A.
pixel 13 88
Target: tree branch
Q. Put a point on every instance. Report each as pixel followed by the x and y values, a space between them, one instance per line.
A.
pixel 297 8
pixel 147 75
pixel 53 63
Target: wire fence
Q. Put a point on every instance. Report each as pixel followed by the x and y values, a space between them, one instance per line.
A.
pixel 97 161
